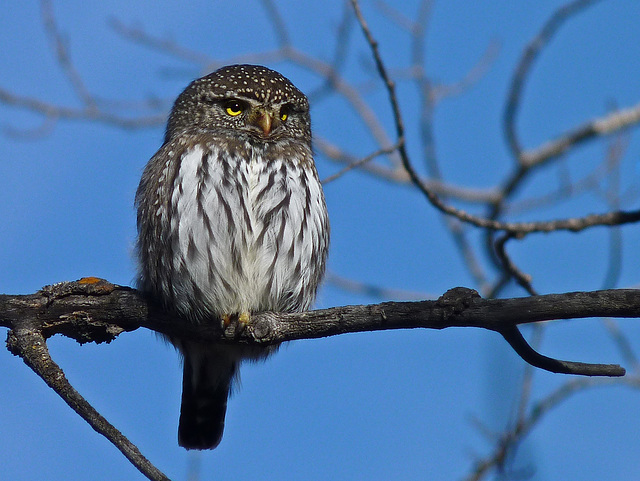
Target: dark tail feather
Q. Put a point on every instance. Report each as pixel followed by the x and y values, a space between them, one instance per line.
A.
pixel 205 389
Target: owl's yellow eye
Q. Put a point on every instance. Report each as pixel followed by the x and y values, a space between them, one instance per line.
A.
pixel 233 108
pixel 284 112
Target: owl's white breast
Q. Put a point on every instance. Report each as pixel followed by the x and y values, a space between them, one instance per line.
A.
pixel 242 240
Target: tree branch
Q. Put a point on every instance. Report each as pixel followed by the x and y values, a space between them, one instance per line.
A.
pixel 507 441
pixel 613 122
pixel 515 339
pixel 28 342
pixel 519 228
pixel 94 310
pixel 521 74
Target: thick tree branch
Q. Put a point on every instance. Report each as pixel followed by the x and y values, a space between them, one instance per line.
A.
pixel 93 310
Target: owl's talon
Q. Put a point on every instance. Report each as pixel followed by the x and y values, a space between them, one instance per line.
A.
pixel 244 318
pixel 226 320
pixel 233 324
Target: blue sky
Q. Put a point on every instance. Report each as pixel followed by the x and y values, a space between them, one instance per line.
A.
pixel 376 406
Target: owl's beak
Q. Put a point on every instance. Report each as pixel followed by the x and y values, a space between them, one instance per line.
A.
pixel 264 120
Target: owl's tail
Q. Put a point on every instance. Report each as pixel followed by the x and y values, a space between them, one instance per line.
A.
pixel 206 383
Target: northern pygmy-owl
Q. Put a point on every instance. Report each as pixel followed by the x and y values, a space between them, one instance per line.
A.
pixel 231 220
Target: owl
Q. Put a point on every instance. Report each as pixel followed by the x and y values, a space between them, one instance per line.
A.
pixel 231 220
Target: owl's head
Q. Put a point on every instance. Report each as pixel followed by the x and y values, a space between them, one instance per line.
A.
pixel 250 100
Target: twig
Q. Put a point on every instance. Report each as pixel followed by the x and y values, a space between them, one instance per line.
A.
pixel 359 163
pixel 475 73
pixel 430 95
pixel 536 413
pixel 398 18
pixel 336 154
pixel 590 182
pixel 284 52
pixel 524 280
pixel 373 290
pixel 521 73
pixel 342 42
pixel 163 45
pixel 390 86
pixel 278 24
pixel 64 58
pixel 598 127
pixel 469 256
pixel 399 175
pixel 59 112
pixel 576 224
pixel 553 149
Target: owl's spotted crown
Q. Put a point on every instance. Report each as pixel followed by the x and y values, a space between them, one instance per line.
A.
pixel 254 82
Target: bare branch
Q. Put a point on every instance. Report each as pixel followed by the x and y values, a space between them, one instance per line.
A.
pixel 164 45
pixel 524 280
pixel 335 153
pixel 573 225
pixel 529 56
pixel 285 51
pixel 611 123
pixel 359 163
pixel 399 19
pixel 390 86
pixel 28 342
pixel 64 58
pixel 95 310
pixel 566 190
pixel 399 175
pixel 372 290
pixel 508 440
pixel 472 77
pixel 525 351
pixel 59 112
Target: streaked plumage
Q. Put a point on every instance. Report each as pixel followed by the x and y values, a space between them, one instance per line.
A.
pixel 231 220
